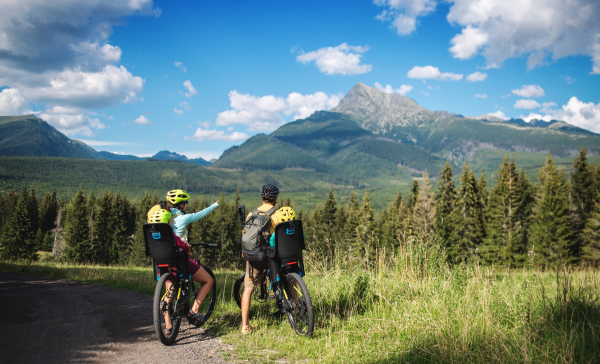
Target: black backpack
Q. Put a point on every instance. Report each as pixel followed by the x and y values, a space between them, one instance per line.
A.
pixel 254 234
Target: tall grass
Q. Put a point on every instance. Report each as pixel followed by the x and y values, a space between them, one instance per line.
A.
pixel 410 306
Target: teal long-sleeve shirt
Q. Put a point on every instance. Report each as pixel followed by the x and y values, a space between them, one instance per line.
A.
pixel 180 222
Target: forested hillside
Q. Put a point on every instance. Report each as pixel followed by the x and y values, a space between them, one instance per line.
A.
pixel 512 222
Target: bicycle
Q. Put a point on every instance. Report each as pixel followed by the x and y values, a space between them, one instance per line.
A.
pixel 283 276
pixel 175 290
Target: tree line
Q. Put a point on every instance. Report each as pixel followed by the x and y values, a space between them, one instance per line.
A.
pixel 514 224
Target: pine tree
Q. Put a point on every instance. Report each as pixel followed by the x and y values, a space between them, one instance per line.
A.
pixel 352 223
pixel 102 240
pixel 138 252
pixel 77 231
pixel 34 216
pixel 48 214
pixel 582 192
pixel 551 232
pixel 590 250
pixel 504 244
pixel 468 229
pixel 424 209
pixel 365 243
pixel 445 198
pixel 19 241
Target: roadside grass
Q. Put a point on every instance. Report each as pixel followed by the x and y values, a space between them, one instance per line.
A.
pixel 409 307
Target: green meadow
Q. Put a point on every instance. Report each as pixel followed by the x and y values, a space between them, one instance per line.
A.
pixel 410 307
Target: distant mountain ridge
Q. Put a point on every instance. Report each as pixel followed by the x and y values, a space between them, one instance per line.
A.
pixel 371 130
pixel 30 136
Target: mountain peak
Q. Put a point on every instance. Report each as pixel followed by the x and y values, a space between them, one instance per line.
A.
pixel 388 114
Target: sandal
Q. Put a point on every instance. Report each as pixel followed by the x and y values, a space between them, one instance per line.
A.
pixel 195 318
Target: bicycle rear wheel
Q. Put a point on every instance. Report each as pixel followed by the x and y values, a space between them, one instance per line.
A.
pixel 208 305
pixel 298 305
pixel 164 311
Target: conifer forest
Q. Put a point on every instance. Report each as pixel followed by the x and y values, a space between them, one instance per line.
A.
pixel 514 223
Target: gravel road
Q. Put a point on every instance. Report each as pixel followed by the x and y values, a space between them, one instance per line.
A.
pixel 56 321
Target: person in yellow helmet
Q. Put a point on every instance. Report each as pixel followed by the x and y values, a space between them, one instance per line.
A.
pixel 177 201
pixel 197 272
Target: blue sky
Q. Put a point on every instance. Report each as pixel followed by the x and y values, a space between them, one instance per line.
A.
pixel 197 77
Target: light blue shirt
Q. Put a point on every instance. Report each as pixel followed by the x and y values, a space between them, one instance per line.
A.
pixel 179 223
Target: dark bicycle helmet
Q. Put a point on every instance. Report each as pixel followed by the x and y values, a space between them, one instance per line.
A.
pixel 269 191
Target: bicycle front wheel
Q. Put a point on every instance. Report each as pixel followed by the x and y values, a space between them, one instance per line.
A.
pixel 166 319
pixel 208 305
pixel 298 305
pixel 238 289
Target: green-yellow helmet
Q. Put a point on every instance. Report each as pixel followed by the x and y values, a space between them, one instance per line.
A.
pixel 176 196
pixel 285 213
pixel 160 216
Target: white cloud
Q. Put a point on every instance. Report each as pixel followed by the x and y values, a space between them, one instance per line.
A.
pixel 539 29
pixel 499 114
pixel 90 90
pixel 191 90
pixel 432 73
pixel 527 104
pixel 71 121
pixel 581 114
pixel 477 77
pixel 181 66
pixel 481 96
pixel 341 60
pixel 403 90
pixel 530 91
pixel 575 112
pixel 403 14
pixel 177 111
pixel 11 102
pixel 266 113
pixel 142 120
pixel 203 134
pixel 56 53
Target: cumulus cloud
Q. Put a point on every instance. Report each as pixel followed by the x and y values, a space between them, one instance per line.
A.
pixel 402 90
pixel 266 113
pixel 481 96
pixel 432 73
pixel 530 91
pixel 71 120
pixel 403 14
pixel 499 114
pixel 527 104
pixel 11 102
pixel 56 53
pixel 203 134
pixel 585 115
pixel 177 111
pixel 142 120
pixel 191 90
pixel 476 77
pixel 538 29
pixel 341 60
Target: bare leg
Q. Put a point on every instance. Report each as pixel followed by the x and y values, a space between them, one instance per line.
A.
pixel 207 282
pixel 246 300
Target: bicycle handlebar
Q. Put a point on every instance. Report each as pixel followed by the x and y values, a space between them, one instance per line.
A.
pixel 205 245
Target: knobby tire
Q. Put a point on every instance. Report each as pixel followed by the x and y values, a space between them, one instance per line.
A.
pixel 163 305
pixel 299 309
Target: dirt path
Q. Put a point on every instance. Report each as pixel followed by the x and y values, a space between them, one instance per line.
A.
pixel 54 321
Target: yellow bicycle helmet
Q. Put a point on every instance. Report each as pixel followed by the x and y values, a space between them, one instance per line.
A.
pixel 176 196
pixel 160 216
pixel 285 213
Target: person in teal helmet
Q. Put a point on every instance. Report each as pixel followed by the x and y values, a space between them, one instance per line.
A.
pixel 177 201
